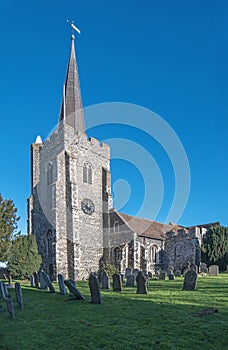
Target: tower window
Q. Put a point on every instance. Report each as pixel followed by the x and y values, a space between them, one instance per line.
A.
pixel 87 173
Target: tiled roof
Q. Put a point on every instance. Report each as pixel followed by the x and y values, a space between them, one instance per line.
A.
pixel 147 228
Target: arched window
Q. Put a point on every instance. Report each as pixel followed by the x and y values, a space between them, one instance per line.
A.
pixel 87 173
pixel 154 256
pixel 49 243
pixel 117 255
pixel 49 174
pixel 116 226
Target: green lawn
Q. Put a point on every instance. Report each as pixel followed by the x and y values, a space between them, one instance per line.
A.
pixel 163 319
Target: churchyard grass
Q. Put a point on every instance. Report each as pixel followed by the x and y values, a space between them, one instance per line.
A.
pixel 166 318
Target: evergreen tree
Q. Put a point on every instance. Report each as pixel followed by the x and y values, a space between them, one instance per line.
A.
pixel 8 226
pixel 215 247
pixel 23 257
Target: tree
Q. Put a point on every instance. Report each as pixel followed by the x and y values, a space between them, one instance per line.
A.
pixel 23 257
pixel 8 226
pixel 215 247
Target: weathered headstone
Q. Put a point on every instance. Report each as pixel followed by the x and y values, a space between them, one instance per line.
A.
pixel 105 281
pixel 62 288
pixel 213 270
pixel 171 277
pixel 94 290
pixel 32 284
pixel 162 275
pixel 48 282
pixel 128 272
pixel 43 284
pixel 2 290
pixel 141 281
pixel 10 306
pixel 73 290
pixel 135 272
pixel 130 281
pixel 18 292
pixel 117 282
pixel 36 279
pixel 190 280
pixel 203 268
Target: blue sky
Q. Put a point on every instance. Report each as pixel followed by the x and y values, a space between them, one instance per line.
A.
pixel 167 56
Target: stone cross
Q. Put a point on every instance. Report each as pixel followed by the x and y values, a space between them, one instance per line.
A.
pixel 18 292
pixel 141 283
pixel 94 290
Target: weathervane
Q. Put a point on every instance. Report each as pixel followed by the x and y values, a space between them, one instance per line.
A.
pixel 73 27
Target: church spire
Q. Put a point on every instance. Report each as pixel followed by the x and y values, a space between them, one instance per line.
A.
pixel 71 112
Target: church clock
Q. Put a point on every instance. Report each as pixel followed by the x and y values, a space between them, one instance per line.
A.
pixel 87 206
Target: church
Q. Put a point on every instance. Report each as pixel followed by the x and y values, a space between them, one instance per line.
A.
pixel 70 210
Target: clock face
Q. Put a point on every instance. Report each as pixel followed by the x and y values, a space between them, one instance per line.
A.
pixel 87 206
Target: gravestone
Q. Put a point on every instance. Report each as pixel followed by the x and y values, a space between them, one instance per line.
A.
pixel 10 306
pixel 162 275
pixel 171 277
pixel 74 285
pixel 43 284
pixel 48 282
pixel 128 272
pixel 203 268
pixel 62 288
pixel 73 290
pixel 105 281
pixel 213 270
pixel 36 279
pixel 2 291
pixel 32 284
pixel 190 280
pixel 177 273
pixel 117 282
pixel 141 281
pixel 5 290
pixel 94 290
pixel 18 292
pixel 135 272
pixel 130 281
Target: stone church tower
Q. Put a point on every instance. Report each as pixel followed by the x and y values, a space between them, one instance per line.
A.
pixel 71 190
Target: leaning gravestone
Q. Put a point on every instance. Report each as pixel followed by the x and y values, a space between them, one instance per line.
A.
pixel 18 292
pixel 105 282
pixel 36 280
pixel 48 282
pixel 190 280
pixel 43 284
pixel 141 283
pixel 130 281
pixel 74 285
pixel 2 290
pixel 213 270
pixel 73 290
pixel 94 290
pixel 10 307
pixel 128 272
pixel 62 288
pixel 32 284
pixel 117 282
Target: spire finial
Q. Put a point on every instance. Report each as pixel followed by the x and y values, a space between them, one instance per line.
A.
pixel 73 28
